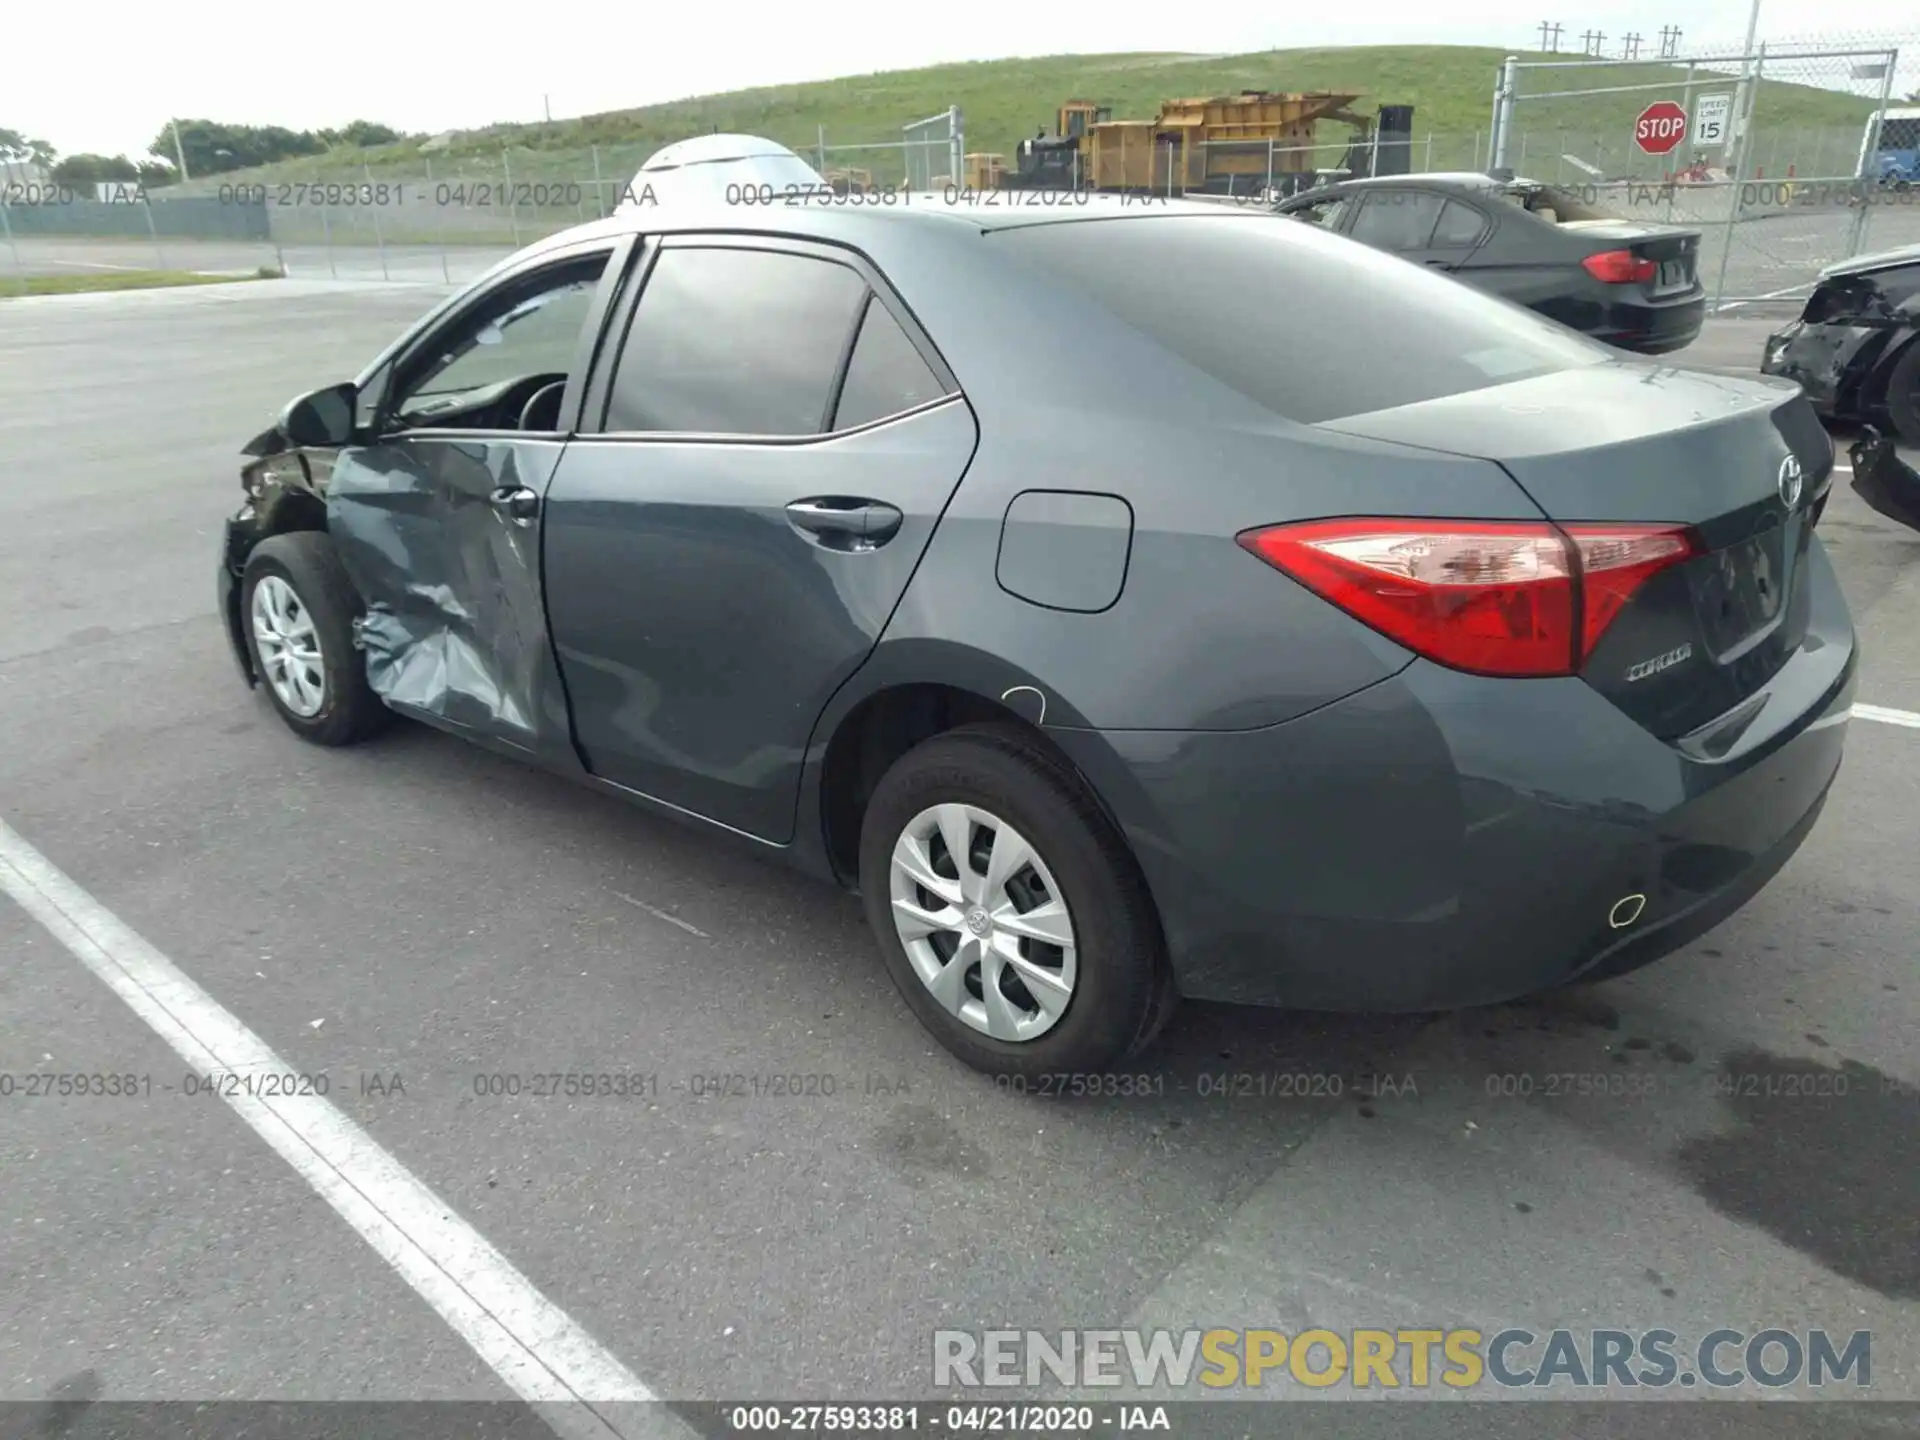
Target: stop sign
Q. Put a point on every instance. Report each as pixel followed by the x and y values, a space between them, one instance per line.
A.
pixel 1661 126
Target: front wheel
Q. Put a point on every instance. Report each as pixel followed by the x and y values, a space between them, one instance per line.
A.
pixel 297 607
pixel 1008 911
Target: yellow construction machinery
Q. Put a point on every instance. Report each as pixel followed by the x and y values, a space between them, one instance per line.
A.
pixel 1214 145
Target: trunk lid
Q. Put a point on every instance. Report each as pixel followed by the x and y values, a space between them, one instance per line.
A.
pixel 1626 442
pixel 1675 249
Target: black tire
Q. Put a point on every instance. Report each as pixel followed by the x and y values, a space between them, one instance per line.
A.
pixel 305 560
pixel 1903 394
pixel 1124 994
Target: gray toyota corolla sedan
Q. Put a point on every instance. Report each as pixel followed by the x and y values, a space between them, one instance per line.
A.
pixel 1129 600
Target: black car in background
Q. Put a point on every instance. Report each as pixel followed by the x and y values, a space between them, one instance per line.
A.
pixel 1855 349
pixel 1632 284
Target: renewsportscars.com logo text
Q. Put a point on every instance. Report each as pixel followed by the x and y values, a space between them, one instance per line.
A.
pixel 1399 1358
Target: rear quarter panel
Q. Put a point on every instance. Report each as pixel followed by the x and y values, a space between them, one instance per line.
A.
pixel 1203 636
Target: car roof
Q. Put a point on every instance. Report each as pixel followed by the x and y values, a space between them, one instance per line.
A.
pixel 845 219
pixel 1879 260
pixel 1444 179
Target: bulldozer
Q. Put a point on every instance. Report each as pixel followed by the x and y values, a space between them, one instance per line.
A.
pixel 1242 144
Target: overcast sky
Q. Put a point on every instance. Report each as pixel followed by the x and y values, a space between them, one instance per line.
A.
pixel 107 81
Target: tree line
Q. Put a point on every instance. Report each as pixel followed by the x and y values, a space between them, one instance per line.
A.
pixel 209 147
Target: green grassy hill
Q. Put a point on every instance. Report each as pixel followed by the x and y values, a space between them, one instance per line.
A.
pixel 1450 88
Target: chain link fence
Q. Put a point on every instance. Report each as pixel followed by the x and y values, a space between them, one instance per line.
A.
pixel 1769 153
pixel 1769 169
pixel 446 223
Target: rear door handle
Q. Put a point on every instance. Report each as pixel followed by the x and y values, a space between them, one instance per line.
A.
pixel 516 503
pixel 843 523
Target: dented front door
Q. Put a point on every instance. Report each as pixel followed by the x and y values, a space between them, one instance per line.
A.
pixel 441 536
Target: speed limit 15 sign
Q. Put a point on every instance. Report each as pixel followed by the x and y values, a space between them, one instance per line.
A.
pixel 1661 126
pixel 1710 116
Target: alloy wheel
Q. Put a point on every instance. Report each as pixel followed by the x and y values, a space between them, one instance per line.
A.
pixel 983 922
pixel 289 647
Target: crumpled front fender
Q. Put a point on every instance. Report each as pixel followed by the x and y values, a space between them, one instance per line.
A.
pixel 1887 483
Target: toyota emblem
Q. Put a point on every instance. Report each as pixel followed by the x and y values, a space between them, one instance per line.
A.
pixel 1790 482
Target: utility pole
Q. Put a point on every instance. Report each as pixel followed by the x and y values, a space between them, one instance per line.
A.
pixel 1550 36
pixel 179 151
pixel 1593 40
pixel 547 102
pixel 1669 41
pixel 1630 46
pixel 1746 79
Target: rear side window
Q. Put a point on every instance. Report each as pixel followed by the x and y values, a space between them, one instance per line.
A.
pixel 1310 325
pixel 735 342
pixel 1397 219
pixel 886 374
pixel 1460 226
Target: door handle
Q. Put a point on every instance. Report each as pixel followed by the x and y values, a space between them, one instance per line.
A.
pixel 516 503
pixel 846 524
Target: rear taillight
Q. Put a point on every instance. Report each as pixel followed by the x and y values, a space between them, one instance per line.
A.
pixel 1620 267
pixel 1491 597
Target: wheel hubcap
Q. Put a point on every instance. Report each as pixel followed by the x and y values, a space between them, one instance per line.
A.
pixel 289 647
pixel 983 923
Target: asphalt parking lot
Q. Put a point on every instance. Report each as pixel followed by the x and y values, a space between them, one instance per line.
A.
pixel 413 916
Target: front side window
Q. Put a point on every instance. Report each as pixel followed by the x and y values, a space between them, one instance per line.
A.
pixel 530 327
pixel 735 342
pixel 1324 213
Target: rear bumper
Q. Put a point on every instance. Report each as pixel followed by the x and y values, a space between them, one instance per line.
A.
pixel 1441 840
pixel 1652 327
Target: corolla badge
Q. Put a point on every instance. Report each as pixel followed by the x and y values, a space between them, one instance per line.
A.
pixel 1790 482
pixel 1658 663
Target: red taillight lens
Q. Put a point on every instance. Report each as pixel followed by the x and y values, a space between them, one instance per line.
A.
pixel 1615 561
pixel 1486 596
pixel 1620 267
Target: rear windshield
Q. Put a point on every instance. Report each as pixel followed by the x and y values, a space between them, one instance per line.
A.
pixel 1549 201
pixel 1310 325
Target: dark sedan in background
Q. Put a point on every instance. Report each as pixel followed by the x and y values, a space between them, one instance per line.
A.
pixel 1855 349
pixel 1445 659
pixel 1629 283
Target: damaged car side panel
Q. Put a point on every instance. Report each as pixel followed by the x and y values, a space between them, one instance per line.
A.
pixel 441 536
pixel 1855 350
pixel 282 495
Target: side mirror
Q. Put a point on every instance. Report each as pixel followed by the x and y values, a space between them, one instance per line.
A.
pixel 324 418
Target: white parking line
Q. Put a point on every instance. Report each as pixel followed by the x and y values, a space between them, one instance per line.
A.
pixel 1756 299
pixel 1908 718
pixel 524 1338
pixel 662 915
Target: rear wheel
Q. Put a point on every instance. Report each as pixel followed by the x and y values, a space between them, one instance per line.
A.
pixel 298 607
pixel 1007 910
pixel 1903 394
